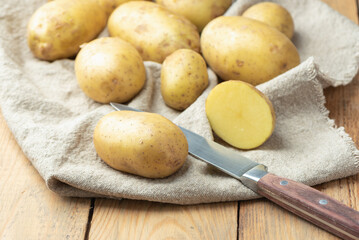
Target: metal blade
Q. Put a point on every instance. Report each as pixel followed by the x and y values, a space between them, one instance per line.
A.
pixel 213 153
pixel 120 107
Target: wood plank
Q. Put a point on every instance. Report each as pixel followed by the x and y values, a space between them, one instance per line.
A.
pixel 345 7
pixel 266 220
pixel 28 209
pixel 130 219
pixel 300 199
pixel 145 220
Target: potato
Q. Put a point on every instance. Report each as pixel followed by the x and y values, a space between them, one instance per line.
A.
pixel 199 12
pixel 57 29
pixel 238 48
pixel 240 114
pixel 145 144
pixel 152 29
pixel 110 5
pixel 272 14
pixel 183 78
pixel 110 70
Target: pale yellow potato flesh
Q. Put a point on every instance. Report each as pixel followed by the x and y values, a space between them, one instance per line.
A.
pixel 58 28
pixel 110 70
pixel 240 114
pixel 153 30
pixel 272 14
pixel 183 78
pixel 238 48
pixel 144 144
pixel 199 12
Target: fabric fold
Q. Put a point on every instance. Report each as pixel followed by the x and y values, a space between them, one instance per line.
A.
pixel 53 121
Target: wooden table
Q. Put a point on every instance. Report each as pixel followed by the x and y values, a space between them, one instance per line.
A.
pixel 28 210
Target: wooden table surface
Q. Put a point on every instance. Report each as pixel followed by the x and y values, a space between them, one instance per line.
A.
pixel 28 210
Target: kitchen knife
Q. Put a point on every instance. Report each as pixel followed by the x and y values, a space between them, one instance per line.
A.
pixel 298 198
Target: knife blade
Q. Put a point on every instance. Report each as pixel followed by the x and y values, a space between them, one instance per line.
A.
pixel 300 199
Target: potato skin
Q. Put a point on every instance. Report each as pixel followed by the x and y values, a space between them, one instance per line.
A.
pixel 110 5
pixel 272 14
pixel 144 144
pixel 183 78
pixel 153 30
pixel 239 48
pixel 110 70
pixel 199 12
pixel 57 29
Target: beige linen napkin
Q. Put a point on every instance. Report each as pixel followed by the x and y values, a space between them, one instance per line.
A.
pixel 53 121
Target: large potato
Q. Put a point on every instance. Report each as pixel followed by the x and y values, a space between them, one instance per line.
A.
pixel 145 144
pixel 199 12
pixel 110 70
pixel 272 14
pixel 239 48
pixel 183 78
pixel 153 30
pixel 58 28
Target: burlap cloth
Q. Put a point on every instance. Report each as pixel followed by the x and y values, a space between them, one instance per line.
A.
pixel 53 121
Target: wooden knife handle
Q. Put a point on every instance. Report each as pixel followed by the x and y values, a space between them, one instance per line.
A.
pixel 312 205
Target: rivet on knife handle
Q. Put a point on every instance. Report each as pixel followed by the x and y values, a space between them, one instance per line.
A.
pixel 311 205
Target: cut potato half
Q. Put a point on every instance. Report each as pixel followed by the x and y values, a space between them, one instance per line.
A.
pixel 240 114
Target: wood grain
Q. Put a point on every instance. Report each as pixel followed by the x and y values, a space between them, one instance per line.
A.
pixel 345 7
pixel 135 220
pixel 259 219
pixel 305 202
pixel 266 220
pixel 28 210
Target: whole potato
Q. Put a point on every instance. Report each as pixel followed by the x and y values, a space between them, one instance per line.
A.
pixel 239 48
pixel 153 30
pixel 272 14
pixel 145 144
pixel 57 29
pixel 183 78
pixel 110 70
pixel 199 12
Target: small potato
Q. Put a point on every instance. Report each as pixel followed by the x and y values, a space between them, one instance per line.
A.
pixel 240 114
pixel 57 29
pixel 183 78
pixel 199 12
pixel 272 14
pixel 144 144
pixel 110 70
pixel 239 48
pixel 153 30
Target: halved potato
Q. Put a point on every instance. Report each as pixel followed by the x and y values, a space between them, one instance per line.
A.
pixel 240 114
